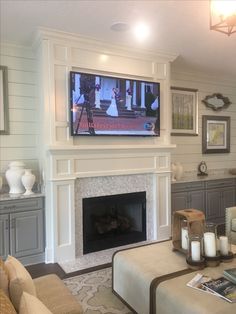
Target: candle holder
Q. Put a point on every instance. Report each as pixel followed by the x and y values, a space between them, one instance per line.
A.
pixel 211 254
pixel 194 259
pixel 185 223
pixel 213 261
pixel 227 258
pixel 225 249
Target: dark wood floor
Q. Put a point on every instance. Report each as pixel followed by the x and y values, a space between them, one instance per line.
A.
pixel 42 269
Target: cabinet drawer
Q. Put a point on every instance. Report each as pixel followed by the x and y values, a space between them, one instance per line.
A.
pixel 187 186
pixel 21 204
pixel 219 183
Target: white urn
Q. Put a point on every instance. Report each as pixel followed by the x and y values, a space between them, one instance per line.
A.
pixel 13 176
pixel 179 171
pixel 28 180
pixel 173 171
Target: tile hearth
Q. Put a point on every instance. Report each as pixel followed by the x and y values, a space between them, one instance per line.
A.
pixel 95 259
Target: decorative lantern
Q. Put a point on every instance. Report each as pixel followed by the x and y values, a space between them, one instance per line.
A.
pixel 186 223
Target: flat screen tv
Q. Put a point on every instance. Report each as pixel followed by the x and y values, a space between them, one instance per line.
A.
pixel 105 105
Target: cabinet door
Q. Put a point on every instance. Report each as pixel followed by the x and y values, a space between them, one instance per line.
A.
pixel 4 235
pixel 197 200
pixel 228 199
pixel 213 204
pixel 26 233
pixel 179 201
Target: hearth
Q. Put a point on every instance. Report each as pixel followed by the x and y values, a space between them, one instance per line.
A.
pixel 113 220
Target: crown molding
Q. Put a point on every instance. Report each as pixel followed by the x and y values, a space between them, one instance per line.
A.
pixel 92 43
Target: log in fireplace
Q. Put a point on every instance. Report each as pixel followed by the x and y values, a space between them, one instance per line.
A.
pixel 113 220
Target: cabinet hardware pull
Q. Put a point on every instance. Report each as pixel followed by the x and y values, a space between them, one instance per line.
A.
pixel 7 224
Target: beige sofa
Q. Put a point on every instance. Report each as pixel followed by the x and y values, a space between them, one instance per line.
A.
pixel 19 293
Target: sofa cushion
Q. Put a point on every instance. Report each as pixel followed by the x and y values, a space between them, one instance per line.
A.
pixel 29 304
pixel 20 280
pixel 6 306
pixel 4 279
pixel 56 296
pixel 234 224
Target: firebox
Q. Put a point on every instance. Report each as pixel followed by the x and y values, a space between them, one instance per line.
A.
pixel 113 220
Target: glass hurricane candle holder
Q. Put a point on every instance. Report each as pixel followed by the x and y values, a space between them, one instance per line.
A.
pixel 184 234
pixel 211 254
pixel 225 249
pixel 209 237
pixel 194 258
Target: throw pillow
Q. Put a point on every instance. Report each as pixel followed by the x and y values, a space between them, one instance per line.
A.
pixel 5 304
pixel 20 280
pixel 30 304
pixel 4 280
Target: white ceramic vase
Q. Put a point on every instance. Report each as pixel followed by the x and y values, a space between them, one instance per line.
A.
pixel 13 176
pixel 179 171
pixel 173 171
pixel 28 180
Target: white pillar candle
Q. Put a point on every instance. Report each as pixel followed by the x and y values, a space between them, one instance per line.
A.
pixel 195 251
pixel 224 245
pixel 184 238
pixel 210 244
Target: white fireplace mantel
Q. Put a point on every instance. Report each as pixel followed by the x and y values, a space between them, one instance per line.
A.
pixel 66 158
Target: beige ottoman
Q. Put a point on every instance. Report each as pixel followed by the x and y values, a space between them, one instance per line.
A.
pixel 134 271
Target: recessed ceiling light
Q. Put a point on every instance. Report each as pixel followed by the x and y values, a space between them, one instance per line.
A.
pixel 141 31
pixel 120 27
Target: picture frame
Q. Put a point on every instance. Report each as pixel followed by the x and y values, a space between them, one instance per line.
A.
pixel 184 102
pixel 215 134
pixel 4 115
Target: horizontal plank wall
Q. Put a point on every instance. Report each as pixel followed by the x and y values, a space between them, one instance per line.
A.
pixel 21 143
pixel 189 148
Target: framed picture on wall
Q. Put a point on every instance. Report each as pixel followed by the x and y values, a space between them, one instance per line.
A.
pixel 215 134
pixel 4 123
pixel 184 104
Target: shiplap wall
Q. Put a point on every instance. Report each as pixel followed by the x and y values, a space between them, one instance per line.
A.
pixel 21 143
pixel 189 148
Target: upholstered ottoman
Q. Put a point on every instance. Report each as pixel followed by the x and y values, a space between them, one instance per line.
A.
pixel 173 296
pixel 135 270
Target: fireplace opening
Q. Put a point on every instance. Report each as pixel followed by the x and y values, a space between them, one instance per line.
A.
pixel 114 220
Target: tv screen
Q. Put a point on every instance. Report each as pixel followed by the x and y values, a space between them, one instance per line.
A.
pixel 104 105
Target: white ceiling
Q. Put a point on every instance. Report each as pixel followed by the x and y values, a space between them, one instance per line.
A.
pixel 180 27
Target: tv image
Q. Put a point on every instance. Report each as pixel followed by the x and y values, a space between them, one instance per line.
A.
pixel 104 105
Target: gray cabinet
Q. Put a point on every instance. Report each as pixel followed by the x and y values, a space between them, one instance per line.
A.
pixel 22 229
pixel 4 235
pixel 220 194
pixel 209 196
pixel 188 195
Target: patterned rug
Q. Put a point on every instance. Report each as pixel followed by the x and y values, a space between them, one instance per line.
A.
pixel 94 292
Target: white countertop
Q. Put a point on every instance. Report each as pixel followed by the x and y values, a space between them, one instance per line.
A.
pixel 193 177
pixel 8 197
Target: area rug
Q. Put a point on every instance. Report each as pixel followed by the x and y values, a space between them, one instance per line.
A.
pixel 93 291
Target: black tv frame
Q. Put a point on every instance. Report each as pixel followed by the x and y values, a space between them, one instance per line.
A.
pixel 147 92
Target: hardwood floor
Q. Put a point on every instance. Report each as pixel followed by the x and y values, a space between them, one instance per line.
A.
pixel 42 269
